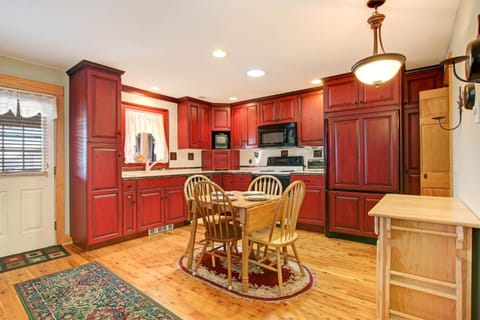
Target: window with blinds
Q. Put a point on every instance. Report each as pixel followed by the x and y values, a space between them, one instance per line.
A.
pixel 23 144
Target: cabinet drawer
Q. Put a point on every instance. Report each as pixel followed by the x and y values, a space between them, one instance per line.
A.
pixel 129 185
pixel 310 181
pixel 161 182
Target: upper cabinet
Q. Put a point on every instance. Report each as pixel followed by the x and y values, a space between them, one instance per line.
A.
pixel 193 125
pixel 99 89
pixel 418 80
pixel 220 118
pixel 244 126
pixel 310 119
pixel 279 110
pixel 345 92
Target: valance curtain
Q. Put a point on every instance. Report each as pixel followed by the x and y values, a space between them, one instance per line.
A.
pixel 29 103
pixel 139 122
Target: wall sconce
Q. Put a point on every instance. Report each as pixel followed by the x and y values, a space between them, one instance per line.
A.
pixel 466 99
pixel 472 58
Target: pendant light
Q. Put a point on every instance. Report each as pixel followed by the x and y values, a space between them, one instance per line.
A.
pixel 379 67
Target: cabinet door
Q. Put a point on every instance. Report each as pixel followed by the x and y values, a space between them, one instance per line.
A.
pixel 221 159
pixel 105 220
pixel 420 80
pixel 104 164
pixel 218 179
pixel 175 207
pixel 313 206
pixel 411 151
pixel 267 113
pixel 340 93
pixel 310 119
pixel 251 120
pixel 129 212
pixel 388 93
pixel 149 209
pixel 278 111
pixel 103 107
pixel 380 151
pixel 344 154
pixel 220 118
pixel 244 126
pixel 193 126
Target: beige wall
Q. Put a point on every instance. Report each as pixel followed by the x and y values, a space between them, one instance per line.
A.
pixel 466 139
pixel 39 73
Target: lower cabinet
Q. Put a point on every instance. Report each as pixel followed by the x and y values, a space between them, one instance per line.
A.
pixel 220 159
pixel 239 182
pixel 312 211
pixel 348 213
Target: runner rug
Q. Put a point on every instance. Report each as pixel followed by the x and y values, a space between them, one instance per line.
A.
pixel 28 258
pixel 263 283
pixel 89 291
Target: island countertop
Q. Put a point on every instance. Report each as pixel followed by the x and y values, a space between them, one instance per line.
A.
pixel 442 210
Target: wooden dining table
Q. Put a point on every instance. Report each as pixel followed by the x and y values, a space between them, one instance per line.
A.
pixel 253 216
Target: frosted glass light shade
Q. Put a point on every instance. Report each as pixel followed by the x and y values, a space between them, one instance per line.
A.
pixel 377 69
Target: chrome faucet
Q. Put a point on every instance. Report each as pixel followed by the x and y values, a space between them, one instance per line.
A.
pixel 149 167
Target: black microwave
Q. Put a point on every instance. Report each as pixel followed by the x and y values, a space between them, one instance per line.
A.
pixel 278 135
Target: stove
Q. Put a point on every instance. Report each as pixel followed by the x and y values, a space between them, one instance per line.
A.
pixel 281 167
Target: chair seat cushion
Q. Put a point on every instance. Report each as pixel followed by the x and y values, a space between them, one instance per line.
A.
pixel 229 232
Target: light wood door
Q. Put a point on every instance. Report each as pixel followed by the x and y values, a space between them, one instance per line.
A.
pixel 435 149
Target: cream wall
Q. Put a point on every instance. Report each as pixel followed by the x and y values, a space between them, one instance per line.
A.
pixel 466 139
pixel 40 73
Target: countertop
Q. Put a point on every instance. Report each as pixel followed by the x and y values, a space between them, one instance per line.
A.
pixel 141 174
pixel 441 210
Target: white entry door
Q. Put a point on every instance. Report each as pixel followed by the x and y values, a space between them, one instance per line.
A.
pixel 27 207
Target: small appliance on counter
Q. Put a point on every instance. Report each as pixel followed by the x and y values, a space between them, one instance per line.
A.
pixel 316 165
pixel 221 140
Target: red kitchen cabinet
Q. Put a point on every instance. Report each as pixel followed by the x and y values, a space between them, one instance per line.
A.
pixel 239 182
pixel 217 178
pixel 244 126
pixel 345 92
pixel 415 81
pixel 348 213
pixel 363 151
pixel 312 211
pixel 220 159
pixel 220 118
pixel 160 202
pixel 193 125
pixel 310 119
pixel 280 110
pixel 129 213
pixel 95 154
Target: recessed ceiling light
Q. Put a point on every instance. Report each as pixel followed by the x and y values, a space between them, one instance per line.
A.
pixel 219 53
pixel 155 88
pixel 233 98
pixel 255 73
pixel 316 81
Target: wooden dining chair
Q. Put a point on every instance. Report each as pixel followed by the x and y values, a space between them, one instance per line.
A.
pixel 266 183
pixel 281 234
pixel 188 189
pixel 220 221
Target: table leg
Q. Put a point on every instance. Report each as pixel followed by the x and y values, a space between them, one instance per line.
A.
pixel 191 241
pixel 244 260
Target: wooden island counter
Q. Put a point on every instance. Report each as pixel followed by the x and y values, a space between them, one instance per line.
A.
pixel 424 257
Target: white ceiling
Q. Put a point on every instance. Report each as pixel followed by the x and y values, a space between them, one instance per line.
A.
pixel 168 43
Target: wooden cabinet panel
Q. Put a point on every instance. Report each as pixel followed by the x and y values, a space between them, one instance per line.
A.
pixel 129 212
pixel 419 80
pixel 239 182
pixel 244 126
pixel 340 93
pixel 106 220
pixel 193 125
pixel 175 208
pixel 104 113
pixel 104 164
pixel 149 210
pixel 348 212
pixel 313 207
pixel 220 159
pixel 220 118
pixel 217 178
pixel 280 110
pixel 388 93
pixel 363 152
pixel 310 119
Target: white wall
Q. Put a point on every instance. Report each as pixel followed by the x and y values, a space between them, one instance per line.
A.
pixel 466 139
pixel 26 70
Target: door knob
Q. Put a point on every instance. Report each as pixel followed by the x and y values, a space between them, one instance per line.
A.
pixel 425 176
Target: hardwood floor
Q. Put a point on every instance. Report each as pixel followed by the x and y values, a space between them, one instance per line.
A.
pixel 344 271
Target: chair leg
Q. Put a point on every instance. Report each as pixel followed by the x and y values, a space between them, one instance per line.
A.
pixel 213 255
pixel 300 265
pixel 285 255
pixel 229 264
pixel 204 249
pixel 279 271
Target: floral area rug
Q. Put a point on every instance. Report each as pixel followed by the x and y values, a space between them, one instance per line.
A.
pixel 28 258
pixel 89 291
pixel 263 283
